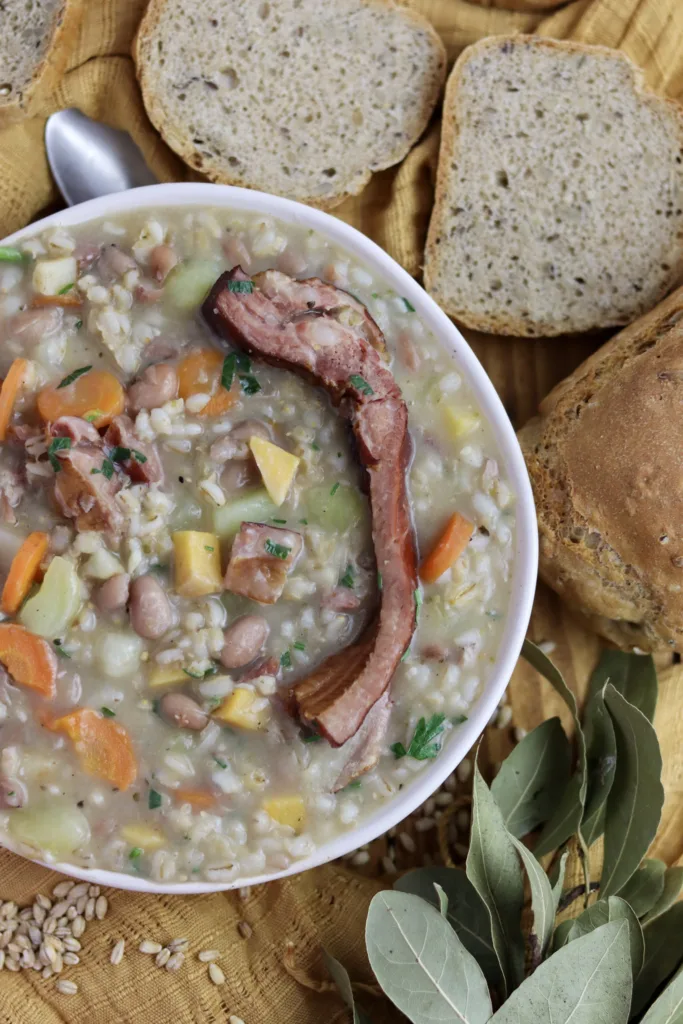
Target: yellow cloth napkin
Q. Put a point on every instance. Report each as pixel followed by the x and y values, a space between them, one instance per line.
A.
pixel 276 974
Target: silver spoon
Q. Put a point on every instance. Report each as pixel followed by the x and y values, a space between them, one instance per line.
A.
pixel 89 159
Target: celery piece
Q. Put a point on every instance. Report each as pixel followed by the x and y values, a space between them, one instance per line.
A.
pixel 189 282
pixel 54 607
pixel 57 827
pixel 336 511
pixel 254 507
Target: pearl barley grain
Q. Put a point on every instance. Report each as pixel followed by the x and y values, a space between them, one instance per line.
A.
pixel 216 974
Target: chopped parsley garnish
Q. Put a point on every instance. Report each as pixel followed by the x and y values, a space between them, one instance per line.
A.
pixel 304 522
pixel 356 784
pixel 66 288
pixel 299 645
pixel 79 324
pixel 379 580
pixel 279 521
pixel 277 550
pixel 286 660
pixel 360 384
pixel 422 746
pixel 348 579
pixel 154 800
pixel 243 287
pixel 249 384
pixel 93 415
pixel 207 547
pixel 313 738
pixel 201 675
pixel 335 488
pixel 409 307
pixel 135 853
pixel 417 594
pixel 220 763
pixel 458 719
pixel 107 712
pixel 236 361
pixel 107 469
pixel 119 454
pixel 60 650
pixel 375 295
pixel 73 376
pixel 57 444
pixel 315 447
pixel 156 704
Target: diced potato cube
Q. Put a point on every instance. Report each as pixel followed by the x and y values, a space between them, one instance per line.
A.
pixel 197 563
pixel 166 675
pixel 244 709
pixel 286 810
pixel 277 467
pixel 50 276
pixel 144 837
pixel 460 423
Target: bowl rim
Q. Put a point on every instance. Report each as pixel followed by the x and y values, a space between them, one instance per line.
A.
pixel 525 565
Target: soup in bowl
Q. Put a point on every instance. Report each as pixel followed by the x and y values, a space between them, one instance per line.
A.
pixel 267 544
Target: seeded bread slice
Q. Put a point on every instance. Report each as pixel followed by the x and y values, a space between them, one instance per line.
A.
pixel 559 195
pixel 34 46
pixel 605 458
pixel 297 97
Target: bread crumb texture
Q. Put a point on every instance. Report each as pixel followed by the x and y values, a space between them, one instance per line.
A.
pixel 294 97
pixel 26 28
pixel 559 193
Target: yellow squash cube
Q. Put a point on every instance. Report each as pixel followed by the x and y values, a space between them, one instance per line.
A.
pixel 286 810
pixel 197 563
pixel 460 423
pixel 244 709
pixel 277 467
pixel 166 675
pixel 139 835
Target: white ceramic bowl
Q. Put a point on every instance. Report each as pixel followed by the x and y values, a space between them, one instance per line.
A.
pixel 461 740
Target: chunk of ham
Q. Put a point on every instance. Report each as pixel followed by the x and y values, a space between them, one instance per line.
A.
pixel 113 263
pixel 329 337
pixel 260 561
pixel 32 325
pixel 79 430
pixel 84 493
pixel 145 470
pixel 365 747
pixel 341 599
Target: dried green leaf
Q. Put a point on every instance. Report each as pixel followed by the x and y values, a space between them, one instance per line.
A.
pixel 611 909
pixel 601 762
pixel 557 878
pixel 634 804
pixel 543 903
pixel 467 913
pixel 562 933
pixel 422 965
pixel 443 900
pixel 566 820
pixel 644 888
pixel 663 952
pixel 494 871
pixel 533 778
pixel 673 884
pixel 668 1009
pixel 587 981
pixel 633 675
pixel 340 976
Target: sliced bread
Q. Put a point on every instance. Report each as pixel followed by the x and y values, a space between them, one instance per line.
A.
pixel 34 46
pixel 559 201
pixel 294 97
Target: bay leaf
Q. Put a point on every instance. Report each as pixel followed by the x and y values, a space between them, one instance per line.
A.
pixel 601 762
pixel 645 886
pixel 467 912
pixel 663 954
pixel 421 964
pixel 668 1009
pixel 543 904
pixel 566 819
pixel 633 675
pixel 562 933
pixel 340 976
pixel 587 981
pixel 556 878
pixel 612 909
pixel 634 804
pixel 673 884
pixel 494 871
pixel 533 777
pixel 443 900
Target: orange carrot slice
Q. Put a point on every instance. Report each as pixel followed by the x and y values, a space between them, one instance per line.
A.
pixel 200 372
pixel 97 395
pixel 23 571
pixel 28 658
pixel 200 799
pixel 68 300
pixel 11 387
pixel 103 747
pixel 448 548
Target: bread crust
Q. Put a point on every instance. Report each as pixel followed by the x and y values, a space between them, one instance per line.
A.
pixel 47 75
pixel 510 325
pixel 605 457
pixel 179 145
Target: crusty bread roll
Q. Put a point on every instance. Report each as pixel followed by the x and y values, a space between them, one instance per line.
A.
pixel 606 463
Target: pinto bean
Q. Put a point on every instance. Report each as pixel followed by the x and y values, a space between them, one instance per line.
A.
pixel 157 385
pixel 238 474
pixel 235 445
pixel 162 260
pixel 151 614
pixel 182 711
pixel 112 595
pixel 113 263
pixel 243 640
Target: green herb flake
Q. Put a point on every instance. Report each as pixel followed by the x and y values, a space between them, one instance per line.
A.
pixel 8 254
pixel 73 376
pixel 375 295
pixel 312 738
pixel 360 384
pixel 60 651
pixel 348 579
pixel 107 469
pixel 356 784
pixel 418 599
pixel 398 750
pixel 79 324
pixel 409 306
pixel 93 415
pixel 120 454
pixel 280 522
pixel 304 522
pixel 315 447
pixel 207 547
pixel 241 287
pixel 107 712
pixel 220 762
pixel 379 580
pixel 299 645
pixel 228 371
pixel 334 490
pixel 201 675
pixel 57 444
pixel 249 384
pixel 459 719
pixel 135 853
pixel 154 800
pixel 277 550
pixel 422 746
pixel 156 704
pixel 286 660
pixel 66 288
